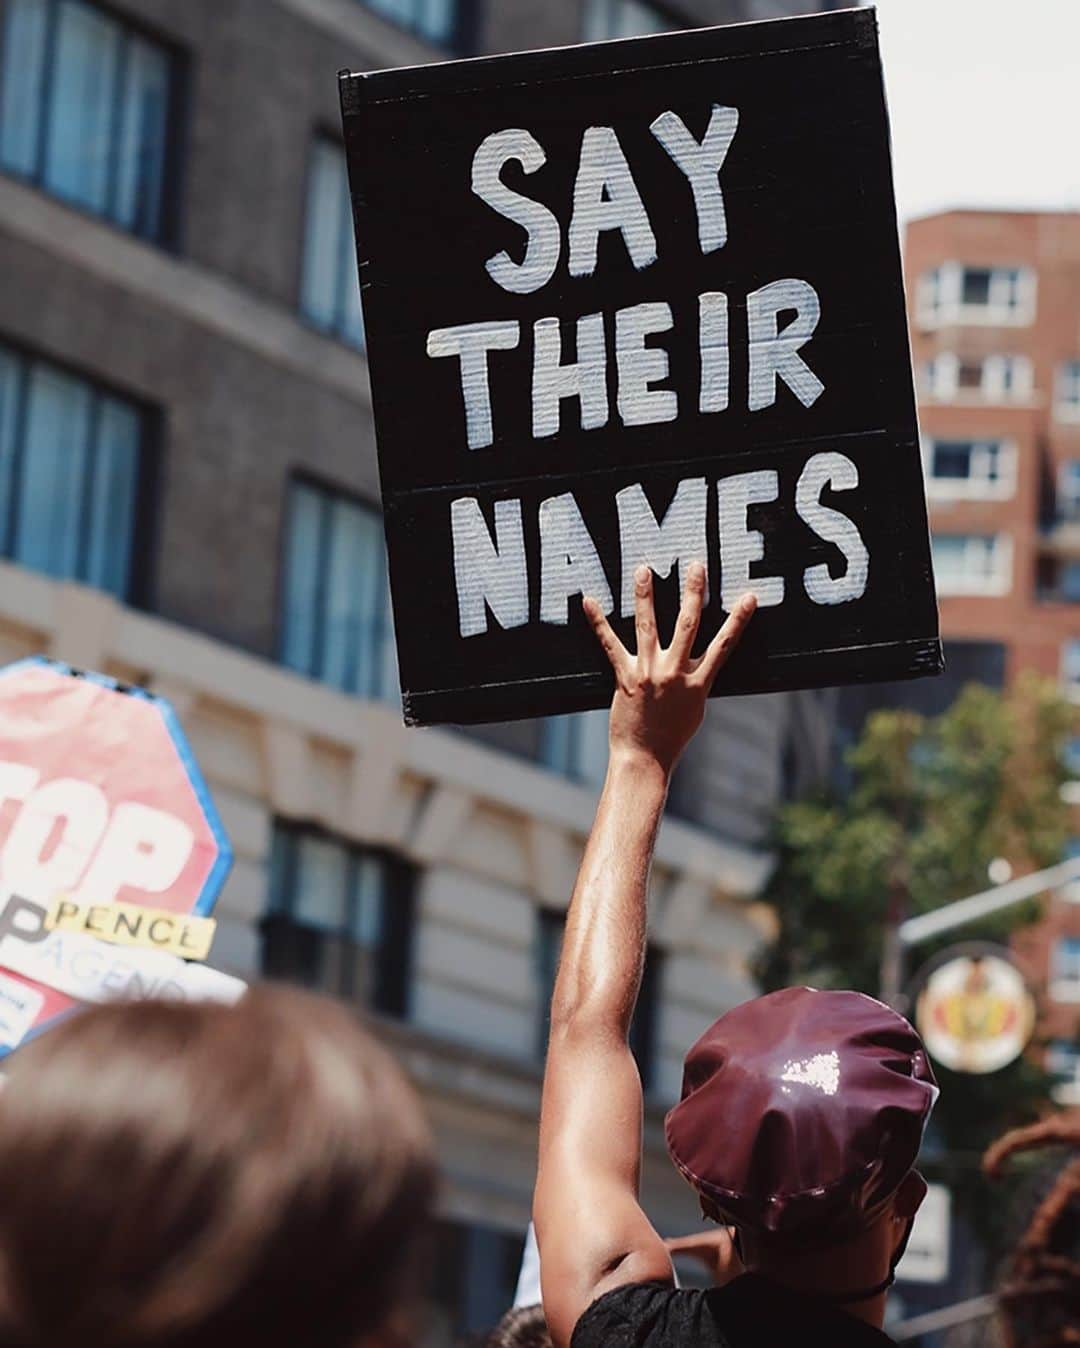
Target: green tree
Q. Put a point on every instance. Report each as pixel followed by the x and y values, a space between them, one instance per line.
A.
pixel 929 804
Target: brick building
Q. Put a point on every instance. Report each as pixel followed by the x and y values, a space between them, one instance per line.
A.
pixel 188 500
pixel 994 299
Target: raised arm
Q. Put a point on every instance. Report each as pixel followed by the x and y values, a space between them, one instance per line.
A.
pixel 592 1233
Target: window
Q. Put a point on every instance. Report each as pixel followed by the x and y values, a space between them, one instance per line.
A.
pixel 969 374
pixel 931 295
pixel 955 293
pixel 1069 491
pixel 1063 1060
pixel 336 623
pixel 989 379
pixel 1067 392
pixel 1070 756
pixel 622 18
pixel 937 378
pixel 971 468
pixel 330 284
pixel 576 746
pixel 1070 664
pixel 973 564
pixel 1058 581
pixel 933 381
pixel 71 456
pixel 1069 582
pixel 86 107
pixel 643 1030
pixel 438 21
pixel 1070 891
pixel 339 919
pixel 1007 378
pixel 975 285
pixel 1065 969
pixel 549 933
pixel 474 1277
pixel 940 377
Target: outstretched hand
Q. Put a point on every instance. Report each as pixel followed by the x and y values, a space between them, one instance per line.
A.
pixel 660 695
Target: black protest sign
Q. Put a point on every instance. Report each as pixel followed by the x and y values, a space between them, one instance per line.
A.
pixel 640 302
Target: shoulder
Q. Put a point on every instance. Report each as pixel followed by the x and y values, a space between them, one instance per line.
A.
pixel 657 1315
pixel 644 1315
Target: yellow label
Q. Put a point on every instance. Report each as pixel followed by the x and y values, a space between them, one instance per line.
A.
pixel 130 924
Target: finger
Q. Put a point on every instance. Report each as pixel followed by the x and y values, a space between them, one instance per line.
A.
pixel 726 640
pixel 700 1248
pixel 683 1244
pixel 617 654
pixel 711 1240
pixel 644 616
pixel 689 620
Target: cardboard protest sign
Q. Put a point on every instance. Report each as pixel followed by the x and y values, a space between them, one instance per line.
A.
pixel 102 807
pixel 640 302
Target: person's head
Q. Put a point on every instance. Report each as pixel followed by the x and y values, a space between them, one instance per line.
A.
pixel 801 1116
pixel 1039 1293
pixel 523 1327
pixel 203 1176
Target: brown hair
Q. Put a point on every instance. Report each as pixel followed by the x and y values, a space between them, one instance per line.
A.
pixel 523 1327
pixel 1040 1297
pixel 197 1176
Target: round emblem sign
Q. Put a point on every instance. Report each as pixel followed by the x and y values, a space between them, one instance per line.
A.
pixel 975 1012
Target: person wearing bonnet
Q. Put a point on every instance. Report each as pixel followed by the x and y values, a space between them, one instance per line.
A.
pixel 802 1112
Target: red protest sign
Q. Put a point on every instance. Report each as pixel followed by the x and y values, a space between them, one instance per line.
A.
pixel 100 800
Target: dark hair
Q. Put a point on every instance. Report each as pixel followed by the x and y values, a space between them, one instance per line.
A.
pixel 202 1176
pixel 523 1327
pixel 1040 1293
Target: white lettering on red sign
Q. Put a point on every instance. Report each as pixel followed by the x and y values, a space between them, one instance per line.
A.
pixel 96 853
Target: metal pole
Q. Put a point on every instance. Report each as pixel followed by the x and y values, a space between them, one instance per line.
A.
pixel 978 1308
pixel 959 914
pixel 892 961
pixel 892 948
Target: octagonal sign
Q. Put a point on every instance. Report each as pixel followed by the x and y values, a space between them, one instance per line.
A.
pixel 101 801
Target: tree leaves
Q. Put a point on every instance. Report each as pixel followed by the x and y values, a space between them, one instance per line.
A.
pixel 932 802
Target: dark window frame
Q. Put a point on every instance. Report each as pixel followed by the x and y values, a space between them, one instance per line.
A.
pixel 322 133
pixel 475 1270
pixel 666 12
pixel 1067 494
pixel 1064 954
pixel 968 279
pixel 464 36
pixel 391 991
pixel 177 119
pixel 573 771
pixel 550 927
pixel 302 477
pixel 1067 377
pixel 1069 581
pixel 141 581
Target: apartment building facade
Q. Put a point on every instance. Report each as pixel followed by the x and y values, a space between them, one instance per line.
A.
pixel 188 501
pixel 994 299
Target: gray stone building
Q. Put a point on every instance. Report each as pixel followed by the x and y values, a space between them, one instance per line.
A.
pixel 188 499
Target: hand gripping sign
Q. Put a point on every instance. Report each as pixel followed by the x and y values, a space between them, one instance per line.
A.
pixel 101 802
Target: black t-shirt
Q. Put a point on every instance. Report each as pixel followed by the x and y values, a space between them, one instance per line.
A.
pixel 750 1312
